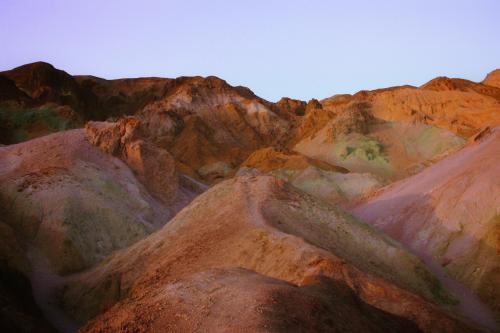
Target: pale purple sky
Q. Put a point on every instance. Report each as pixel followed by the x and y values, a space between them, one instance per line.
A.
pixel 300 49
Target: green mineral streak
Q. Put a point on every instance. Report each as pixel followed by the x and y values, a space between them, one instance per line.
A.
pixel 370 249
pixel 360 147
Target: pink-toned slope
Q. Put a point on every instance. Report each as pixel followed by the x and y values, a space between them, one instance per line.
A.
pixel 449 214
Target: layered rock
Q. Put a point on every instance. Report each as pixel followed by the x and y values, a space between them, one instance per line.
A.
pixel 211 127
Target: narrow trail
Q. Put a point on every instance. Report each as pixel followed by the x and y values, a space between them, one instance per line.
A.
pixel 44 282
pixel 470 306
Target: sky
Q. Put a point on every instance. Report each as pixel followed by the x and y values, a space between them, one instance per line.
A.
pixel 300 49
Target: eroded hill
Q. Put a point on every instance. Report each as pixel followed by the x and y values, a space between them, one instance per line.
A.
pixel 100 216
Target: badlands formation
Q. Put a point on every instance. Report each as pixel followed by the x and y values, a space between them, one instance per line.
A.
pixel 190 205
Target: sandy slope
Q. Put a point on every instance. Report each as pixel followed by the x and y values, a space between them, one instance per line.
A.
pixel 238 300
pixel 450 211
pixel 76 203
pixel 263 224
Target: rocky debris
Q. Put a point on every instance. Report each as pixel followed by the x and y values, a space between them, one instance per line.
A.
pixel 263 224
pixel 239 300
pixel 449 211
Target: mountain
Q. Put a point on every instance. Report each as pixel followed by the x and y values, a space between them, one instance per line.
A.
pixel 462 106
pixel 211 127
pixel 188 204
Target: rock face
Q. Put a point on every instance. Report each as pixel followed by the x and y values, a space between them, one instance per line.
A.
pixel 264 225
pixel 211 127
pixel 288 108
pixel 462 106
pixel 450 212
pixel 154 166
pixel 493 79
pixel 74 202
pixel 356 118
pixel 239 300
